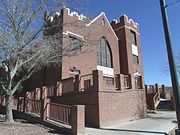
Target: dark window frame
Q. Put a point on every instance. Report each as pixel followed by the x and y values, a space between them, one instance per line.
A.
pixel 133 38
pixel 135 59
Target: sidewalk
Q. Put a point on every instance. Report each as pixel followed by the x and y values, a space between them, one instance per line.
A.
pixel 160 123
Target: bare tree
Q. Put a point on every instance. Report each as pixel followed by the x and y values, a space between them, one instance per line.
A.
pixel 166 66
pixel 23 48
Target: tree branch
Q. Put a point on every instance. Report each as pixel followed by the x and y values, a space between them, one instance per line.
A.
pixel 4 88
pixel 20 82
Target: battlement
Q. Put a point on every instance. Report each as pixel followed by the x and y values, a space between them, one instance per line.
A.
pixel 80 17
pixel 52 19
pixel 124 20
pixel 130 21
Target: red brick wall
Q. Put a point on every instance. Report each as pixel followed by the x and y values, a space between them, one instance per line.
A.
pixel 88 98
pixel 86 62
pixel 104 105
pixel 123 30
pixel 78 119
pixel 116 107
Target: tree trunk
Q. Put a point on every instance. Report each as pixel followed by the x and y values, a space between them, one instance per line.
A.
pixel 9 113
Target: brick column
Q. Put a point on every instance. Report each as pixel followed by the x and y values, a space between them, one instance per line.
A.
pixel 100 80
pixel 44 91
pixel 163 89
pixel 118 81
pixel 37 95
pixel 122 81
pixel 131 81
pixel 141 82
pixel 78 119
pixel 76 83
pixel 156 88
pixel 96 80
pixel 153 89
pixel 45 109
pixel 59 89
pixel 24 104
pixel 146 89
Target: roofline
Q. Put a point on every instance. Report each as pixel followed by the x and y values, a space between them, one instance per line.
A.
pixel 102 13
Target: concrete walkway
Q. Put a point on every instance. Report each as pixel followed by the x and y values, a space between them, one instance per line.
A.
pixel 159 123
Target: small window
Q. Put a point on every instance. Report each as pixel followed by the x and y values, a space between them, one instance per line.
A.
pixel 75 44
pixel 135 59
pixel 133 38
pixel 103 22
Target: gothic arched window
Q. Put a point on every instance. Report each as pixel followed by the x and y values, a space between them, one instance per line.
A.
pixel 104 56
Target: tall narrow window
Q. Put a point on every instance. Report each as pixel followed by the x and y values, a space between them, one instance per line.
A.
pixel 104 53
pixel 135 59
pixel 133 38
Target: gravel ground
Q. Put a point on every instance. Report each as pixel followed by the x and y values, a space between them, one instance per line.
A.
pixel 26 128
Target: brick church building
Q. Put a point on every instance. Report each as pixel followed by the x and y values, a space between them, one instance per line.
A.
pixel 105 75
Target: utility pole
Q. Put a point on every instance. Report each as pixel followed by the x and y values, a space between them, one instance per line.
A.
pixel 172 65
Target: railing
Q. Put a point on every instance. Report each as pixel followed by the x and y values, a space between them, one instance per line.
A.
pixel 85 82
pixel 108 82
pixel 51 91
pixel 59 112
pixel 68 85
pixel 74 116
pixel 34 106
pixel 150 89
pixel 152 95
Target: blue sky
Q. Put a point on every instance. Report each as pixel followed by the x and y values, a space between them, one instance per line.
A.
pixel 147 13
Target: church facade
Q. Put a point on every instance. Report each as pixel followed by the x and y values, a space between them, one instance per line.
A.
pixel 103 70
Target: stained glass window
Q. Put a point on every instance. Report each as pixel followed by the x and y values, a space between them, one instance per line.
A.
pixel 104 53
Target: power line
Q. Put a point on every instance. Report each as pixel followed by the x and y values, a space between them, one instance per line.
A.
pixel 172 3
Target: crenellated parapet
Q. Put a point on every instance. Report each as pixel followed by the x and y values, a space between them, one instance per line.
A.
pixel 124 21
pixel 75 14
pixel 72 15
pixel 130 21
pixel 54 23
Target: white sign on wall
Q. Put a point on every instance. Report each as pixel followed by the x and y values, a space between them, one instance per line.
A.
pixel 134 50
pixel 108 72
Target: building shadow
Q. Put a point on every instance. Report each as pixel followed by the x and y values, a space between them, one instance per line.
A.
pixel 36 120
